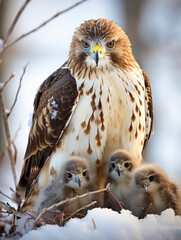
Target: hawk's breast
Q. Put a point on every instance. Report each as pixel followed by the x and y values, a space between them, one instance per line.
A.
pixel 109 115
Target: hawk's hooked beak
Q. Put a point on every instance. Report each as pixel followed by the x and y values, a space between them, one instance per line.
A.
pixel 96 51
pixel 77 180
pixel 118 169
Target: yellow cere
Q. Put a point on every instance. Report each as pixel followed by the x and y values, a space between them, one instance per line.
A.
pixel 97 48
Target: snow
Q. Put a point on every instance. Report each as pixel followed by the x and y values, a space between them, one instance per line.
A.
pixel 110 225
pixel 54 104
pixel 54 114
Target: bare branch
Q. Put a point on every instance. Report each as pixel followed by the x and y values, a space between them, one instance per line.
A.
pixel 11 28
pixel 6 195
pixel 15 20
pixel 68 200
pixel 119 203
pixel 43 24
pixel 16 133
pixel 80 209
pixel 12 155
pixel 17 93
pixel 8 136
pixel 3 85
pixel 15 153
pixel 9 209
pixel 2 155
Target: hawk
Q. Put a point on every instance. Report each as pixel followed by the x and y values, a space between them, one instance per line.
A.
pixel 153 192
pixel 98 101
pixel 120 174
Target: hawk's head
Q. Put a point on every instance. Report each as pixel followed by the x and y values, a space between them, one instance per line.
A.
pixel 100 44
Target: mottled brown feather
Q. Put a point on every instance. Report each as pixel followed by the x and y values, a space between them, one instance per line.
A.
pixel 46 131
pixel 148 108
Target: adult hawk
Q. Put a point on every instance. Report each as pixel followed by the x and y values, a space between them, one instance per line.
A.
pixel 97 102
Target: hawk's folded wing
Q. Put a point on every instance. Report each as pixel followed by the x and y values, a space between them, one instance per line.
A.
pixel 53 105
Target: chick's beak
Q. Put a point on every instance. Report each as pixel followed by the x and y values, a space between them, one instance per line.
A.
pixel 118 170
pixel 144 184
pixel 78 181
pixel 96 51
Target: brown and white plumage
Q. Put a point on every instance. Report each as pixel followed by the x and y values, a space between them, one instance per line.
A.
pixel 97 103
pixel 120 173
pixel 152 192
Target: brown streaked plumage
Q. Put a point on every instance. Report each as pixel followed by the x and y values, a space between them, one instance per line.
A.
pixel 58 92
pixel 89 107
pixel 152 192
pixel 121 169
pixel 76 179
pixel 148 109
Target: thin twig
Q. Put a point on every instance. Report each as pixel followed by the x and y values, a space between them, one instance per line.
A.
pixel 15 153
pixel 16 133
pixel 115 198
pixel 44 23
pixel 68 200
pixel 80 209
pixel 2 155
pixel 6 195
pixel 17 93
pixel 12 155
pixel 3 85
pixel 8 136
pixel 93 223
pixel 9 209
pixel 15 20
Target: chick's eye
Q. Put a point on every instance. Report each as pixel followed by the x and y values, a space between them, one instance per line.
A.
pixel 126 165
pixel 69 175
pixel 151 178
pixel 84 173
pixel 85 44
pixel 113 165
pixel 111 44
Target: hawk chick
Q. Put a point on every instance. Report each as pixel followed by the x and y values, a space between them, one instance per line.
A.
pixel 152 192
pixel 120 173
pixel 75 180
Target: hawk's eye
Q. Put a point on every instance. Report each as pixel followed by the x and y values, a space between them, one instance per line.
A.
pixel 69 175
pixel 126 165
pixel 84 173
pixel 151 178
pixel 85 44
pixel 111 44
pixel 113 165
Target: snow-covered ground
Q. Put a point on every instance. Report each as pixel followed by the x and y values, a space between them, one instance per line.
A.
pixel 105 224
